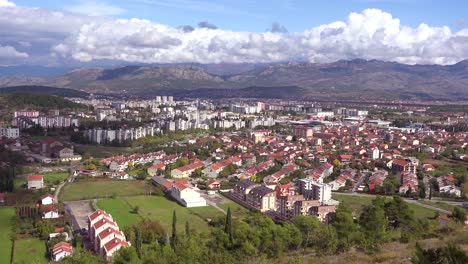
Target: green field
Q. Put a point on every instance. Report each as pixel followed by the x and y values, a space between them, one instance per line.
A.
pixel 440 205
pixel 6 224
pixel 157 208
pixel 236 209
pixel 103 188
pixel 55 177
pixel 31 250
pixel 357 202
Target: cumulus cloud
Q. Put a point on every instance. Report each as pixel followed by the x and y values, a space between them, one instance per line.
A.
pixel 8 52
pixel 370 34
pixel 6 3
pixel 277 28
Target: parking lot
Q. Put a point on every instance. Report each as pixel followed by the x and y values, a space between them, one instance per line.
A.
pixel 78 212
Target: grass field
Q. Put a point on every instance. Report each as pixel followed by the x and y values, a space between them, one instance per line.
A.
pixel 55 177
pixel 357 202
pixel 31 250
pixel 6 223
pixel 102 188
pixel 156 208
pixel 236 209
pixel 440 205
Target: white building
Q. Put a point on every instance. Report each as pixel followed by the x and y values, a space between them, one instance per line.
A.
pixel 9 132
pixel 187 196
pixel 61 250
pixel 313 190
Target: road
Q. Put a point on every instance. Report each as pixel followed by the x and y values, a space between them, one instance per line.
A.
pixel 361 179
pixel 411 201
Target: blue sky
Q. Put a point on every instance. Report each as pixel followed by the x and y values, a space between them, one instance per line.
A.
pixel 251 15
pixel 91 32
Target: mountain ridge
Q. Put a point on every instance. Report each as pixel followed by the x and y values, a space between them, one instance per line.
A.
pixel 341 77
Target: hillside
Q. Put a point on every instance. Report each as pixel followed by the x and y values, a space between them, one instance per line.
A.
pixel 43 90
pixel 15 101
pixel 356 78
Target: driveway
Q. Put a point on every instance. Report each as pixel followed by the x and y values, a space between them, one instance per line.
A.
pixel 78 212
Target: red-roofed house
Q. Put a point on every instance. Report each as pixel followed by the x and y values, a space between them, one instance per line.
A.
pixel 153 170
pixel 113 246
pixel 105 236
pixel 47 199
pixel 61 250
pixel 186 171
pixel 35 182
pixel 50 212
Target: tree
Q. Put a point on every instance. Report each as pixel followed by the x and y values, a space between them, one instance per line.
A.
pixel 228 226
pixel 398 212
pixel 91 166
pixel 344 225
pixel 136 209
pixel 459 214
pixel 373 221
pixel 44 228
pixel 308 225
pixel 174 228
pixel 138 242
pixel 336 163
pixel 127 255
pixel 450 254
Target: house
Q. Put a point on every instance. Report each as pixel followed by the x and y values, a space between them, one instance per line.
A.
pixel 50 212
pixel 262 198
pixel 409 182
pixel 243 187
pixel 105 236
pixel 47 199
pixel 400 165
pixel 377 179
pixel 213 184
pixel 283 190
pixel 93 218
pixel 120 175
pixel 35 182
pixel 153 170
pixel 186 195
pixel 161 181
pixel 113 246
pixel 186 171
pixel 60 251
pixel 428 167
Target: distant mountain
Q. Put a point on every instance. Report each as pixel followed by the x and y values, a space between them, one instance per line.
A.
pixel 36 71
pixel 356 78
pixel 34 89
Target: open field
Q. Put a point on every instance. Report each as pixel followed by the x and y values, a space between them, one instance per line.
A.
pixel 103 188
pixel 55 177
pixel 6 224
pixel 156 208
pixel 236 209
pixel 440 205
pixel 31 250
pixel 357 202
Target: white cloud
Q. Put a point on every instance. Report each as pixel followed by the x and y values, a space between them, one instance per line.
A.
pixel 6 3
pixel 371 34
pixel 8 52
pixel 94 8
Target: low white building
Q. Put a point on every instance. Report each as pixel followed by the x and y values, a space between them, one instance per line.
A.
pixel 60 251
pixel 50 212
pixel 187 196
pixel 9 132
pixel 47 199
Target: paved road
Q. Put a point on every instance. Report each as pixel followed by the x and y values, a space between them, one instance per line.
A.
pixel 411 201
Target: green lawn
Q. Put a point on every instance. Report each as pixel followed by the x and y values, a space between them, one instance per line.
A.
pixel 440 205
pixel 30 250
pixel 236 209
pixel 55 177
pixel 6 223
pixel 357 202
pixel 206 212
pixel 102 188
pixel 157 208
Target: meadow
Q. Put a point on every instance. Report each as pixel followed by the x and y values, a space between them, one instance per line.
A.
pixel 6 224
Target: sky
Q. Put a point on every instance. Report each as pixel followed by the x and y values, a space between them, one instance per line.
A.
pixel 58 33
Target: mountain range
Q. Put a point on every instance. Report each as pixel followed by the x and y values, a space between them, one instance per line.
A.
pixel 365 79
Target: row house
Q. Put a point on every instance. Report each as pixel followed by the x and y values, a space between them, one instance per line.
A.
pixel 409 182
pixel 104 234
pixel 187 170
pixel 277 176
pixel 377 179
pixel 340 181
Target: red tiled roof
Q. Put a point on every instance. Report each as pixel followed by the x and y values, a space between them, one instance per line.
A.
pixel 114 243
pixel 97 213
pixel 35 178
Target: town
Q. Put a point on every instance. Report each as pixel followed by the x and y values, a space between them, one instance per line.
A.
pixel 81 179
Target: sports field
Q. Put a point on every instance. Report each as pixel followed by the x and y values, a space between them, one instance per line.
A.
pixel 103 188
